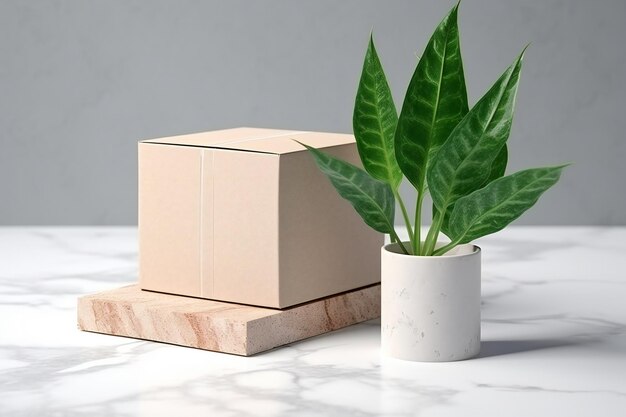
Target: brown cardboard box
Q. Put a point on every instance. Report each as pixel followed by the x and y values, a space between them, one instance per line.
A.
pixel 243 215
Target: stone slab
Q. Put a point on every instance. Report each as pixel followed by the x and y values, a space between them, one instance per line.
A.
pixel 220 326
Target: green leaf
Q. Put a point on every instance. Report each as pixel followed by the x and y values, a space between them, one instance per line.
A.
pixel 493 207
pixel 498 167
pixel 371 198
pixel 374 121
pixel 435 102
pixel 463 163
pixel 445 224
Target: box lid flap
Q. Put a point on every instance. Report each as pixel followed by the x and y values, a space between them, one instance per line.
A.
pixel 272 141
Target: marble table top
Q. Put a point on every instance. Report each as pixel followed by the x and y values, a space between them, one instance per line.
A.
pixel 554 341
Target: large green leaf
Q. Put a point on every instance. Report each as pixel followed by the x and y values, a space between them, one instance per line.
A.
pixel 371 198
pixel 374 121
pixel 435 102
pixel 463 163
pixel 493 207
pixel 498 167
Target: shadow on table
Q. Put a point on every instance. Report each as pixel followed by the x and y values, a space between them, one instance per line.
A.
pixel 490 348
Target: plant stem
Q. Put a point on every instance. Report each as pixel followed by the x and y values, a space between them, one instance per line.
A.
pixel 405 215
pixel 433 233
pixel 444 249
pixel 417 239
pixel 394 235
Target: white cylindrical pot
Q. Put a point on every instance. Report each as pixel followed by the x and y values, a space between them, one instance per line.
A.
pixel 431 304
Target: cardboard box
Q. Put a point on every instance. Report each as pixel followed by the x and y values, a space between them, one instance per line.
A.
pixel 244 215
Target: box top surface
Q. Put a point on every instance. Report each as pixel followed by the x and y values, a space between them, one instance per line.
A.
pixel 272 141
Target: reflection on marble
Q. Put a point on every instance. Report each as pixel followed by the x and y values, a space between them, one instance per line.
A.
pixel 554 341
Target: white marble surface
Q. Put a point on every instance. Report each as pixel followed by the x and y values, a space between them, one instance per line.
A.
pixel 554 341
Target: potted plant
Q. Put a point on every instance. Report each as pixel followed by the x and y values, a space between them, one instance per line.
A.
pixel 457 156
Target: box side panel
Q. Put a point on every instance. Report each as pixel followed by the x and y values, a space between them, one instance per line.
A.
pixel 245 207
pixel 207 241
pixel 169 218
pixel 325 247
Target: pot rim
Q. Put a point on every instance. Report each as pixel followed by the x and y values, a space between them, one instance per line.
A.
pixel 475 252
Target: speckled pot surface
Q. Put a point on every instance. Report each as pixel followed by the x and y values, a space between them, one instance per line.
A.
pixel 431 304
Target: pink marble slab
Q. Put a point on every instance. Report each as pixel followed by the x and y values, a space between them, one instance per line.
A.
pixel 219 326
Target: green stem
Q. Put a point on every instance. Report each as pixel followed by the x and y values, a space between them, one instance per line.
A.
pixel 405 215
pixel 445 248
pixel 433 233
pixel 394 236
pixel 417 240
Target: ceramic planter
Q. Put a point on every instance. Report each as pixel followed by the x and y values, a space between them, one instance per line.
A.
pixel 431 304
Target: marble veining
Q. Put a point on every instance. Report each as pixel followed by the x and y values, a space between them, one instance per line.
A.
pixel 553 330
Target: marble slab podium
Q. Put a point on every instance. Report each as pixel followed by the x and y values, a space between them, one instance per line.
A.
pixel 219 326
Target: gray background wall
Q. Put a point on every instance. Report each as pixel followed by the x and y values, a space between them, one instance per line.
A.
pixel 82 81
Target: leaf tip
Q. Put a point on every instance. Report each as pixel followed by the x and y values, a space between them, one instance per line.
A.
pixel 300 143
pixel 456 6
pixel 370 44
pixel 521 55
